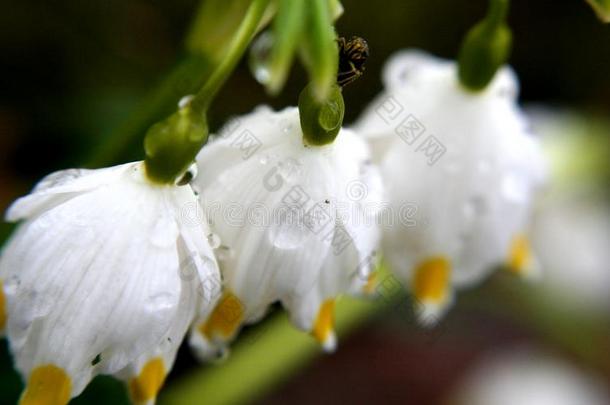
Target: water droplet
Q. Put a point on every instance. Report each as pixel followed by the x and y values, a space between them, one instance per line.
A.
pixel 264 160
pixel 214 240
pixel 161 301
pixel 475 206
pixel 184 101
pixel 11 285
pixel 224 253
pixel 514 188
pixel 290 232
pixel 258 60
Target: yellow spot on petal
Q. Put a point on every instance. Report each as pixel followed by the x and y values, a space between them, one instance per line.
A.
pixel 325 322
pixel 47 385
pixel 225 318
pixel 145 386
pixel 520 255
pixel 431 279
pixel 2 307
pixel 371 283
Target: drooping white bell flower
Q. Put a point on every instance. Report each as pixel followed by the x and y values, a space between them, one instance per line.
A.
pixel 465 165
pixel 104 276
pixel 529 377
pixel 297 223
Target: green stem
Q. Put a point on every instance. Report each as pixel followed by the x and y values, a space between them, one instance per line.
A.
pixel 237 47
pixel 497 12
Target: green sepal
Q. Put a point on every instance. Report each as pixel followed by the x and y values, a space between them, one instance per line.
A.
pixel 321 121
pixel 172 144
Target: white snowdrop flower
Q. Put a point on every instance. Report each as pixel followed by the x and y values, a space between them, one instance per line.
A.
pixel 571 228
pixel 103 276
pixel 297 223
pixel 575 263
pixel 529 377
pixel 466 166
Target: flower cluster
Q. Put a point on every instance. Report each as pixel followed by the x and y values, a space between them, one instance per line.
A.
pixel 109 269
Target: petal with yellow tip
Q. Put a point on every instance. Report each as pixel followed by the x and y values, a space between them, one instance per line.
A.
pixel 431 279
pixel 323 329
pixel 225 319
pixel 521 260
pixel 144 388
pixel 47 385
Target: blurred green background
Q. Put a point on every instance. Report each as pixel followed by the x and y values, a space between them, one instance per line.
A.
pixel 72 72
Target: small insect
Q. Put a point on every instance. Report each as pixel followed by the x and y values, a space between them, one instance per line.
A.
pixel 353 54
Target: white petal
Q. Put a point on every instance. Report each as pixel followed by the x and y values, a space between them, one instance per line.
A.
pixel 100 288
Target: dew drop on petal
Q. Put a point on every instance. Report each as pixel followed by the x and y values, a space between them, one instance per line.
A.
pixel 224 253
pixel 11 285
pixel 290 232
pixel 258 60
pixel 213 241
pixel 184 101
pixel 514 188
pixel 475 206
pixel 161 301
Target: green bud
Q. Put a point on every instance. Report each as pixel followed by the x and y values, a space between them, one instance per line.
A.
pixel 485 48
pixel 172 144
pixel 321 121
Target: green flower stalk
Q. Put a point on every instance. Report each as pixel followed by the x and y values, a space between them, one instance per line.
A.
pixel 320 51
pixel 485 48
pixel 287 30
pixel 172 144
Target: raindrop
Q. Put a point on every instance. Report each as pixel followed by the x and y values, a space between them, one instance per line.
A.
pixel 290 232
pixel 11 285
pixel 258 60
pixel 161 301
pixel 184 101
pixel 224 253
pixel 475 206
pixel 514 188
pixel 214 240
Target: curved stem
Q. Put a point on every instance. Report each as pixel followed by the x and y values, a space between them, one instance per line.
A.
pixel 237 47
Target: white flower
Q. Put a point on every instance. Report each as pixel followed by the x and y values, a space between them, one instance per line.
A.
pixel 466 165
pixel 103 277
pixel 527 377
pixel 297 223
pixel 571 228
